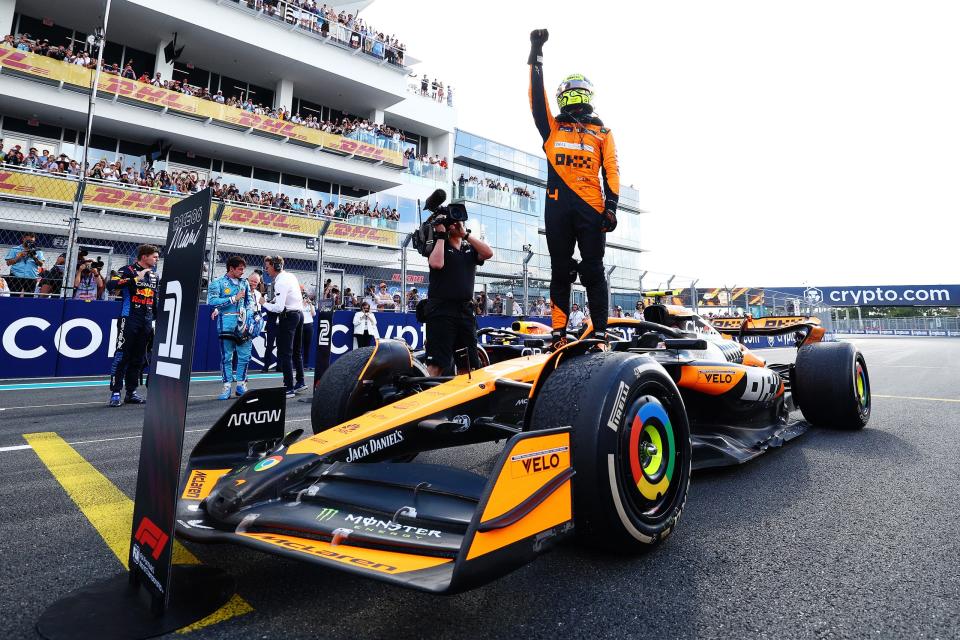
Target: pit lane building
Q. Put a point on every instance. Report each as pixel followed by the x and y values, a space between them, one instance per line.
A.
pixel 281 58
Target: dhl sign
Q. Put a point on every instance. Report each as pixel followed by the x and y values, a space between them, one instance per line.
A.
pixel 37 65
pixel 52 189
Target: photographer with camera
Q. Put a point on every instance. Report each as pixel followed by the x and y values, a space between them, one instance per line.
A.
pixel 137 284
pixel 453 255
pixel 24 261
pixel 88 284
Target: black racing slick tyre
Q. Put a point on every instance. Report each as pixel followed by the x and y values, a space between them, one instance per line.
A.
pixel 831 385
pixel 631 447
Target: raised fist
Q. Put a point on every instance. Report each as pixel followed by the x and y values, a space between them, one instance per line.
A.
pixel 539 36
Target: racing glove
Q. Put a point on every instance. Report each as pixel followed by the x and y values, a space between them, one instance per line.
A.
pixel 537 38
pixel 608 220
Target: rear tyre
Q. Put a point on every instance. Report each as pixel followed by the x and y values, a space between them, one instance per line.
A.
pixel 631 447
pixel 832 386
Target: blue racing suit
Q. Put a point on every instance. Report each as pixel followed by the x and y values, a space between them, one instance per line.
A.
pixel 230 315
pixel 134 327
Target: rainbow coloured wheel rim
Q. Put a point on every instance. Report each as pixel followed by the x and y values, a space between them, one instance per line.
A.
pixel 650 457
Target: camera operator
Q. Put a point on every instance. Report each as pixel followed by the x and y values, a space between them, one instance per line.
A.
pixel 449 309
pixel 88 284
pixel 24 261
pixel 137 284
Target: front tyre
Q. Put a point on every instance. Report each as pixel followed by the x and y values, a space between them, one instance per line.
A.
pixel 631 447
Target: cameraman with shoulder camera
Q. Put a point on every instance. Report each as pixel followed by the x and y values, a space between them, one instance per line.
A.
pixel 24 261
pixel 449 310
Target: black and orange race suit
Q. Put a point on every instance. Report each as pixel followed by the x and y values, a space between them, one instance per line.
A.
pixel 577 149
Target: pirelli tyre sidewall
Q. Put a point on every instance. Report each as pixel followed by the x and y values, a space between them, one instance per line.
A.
pixel 832 385
pixel 631 447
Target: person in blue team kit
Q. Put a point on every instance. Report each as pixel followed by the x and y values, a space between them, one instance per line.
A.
pixel 230 295
pixel 138 285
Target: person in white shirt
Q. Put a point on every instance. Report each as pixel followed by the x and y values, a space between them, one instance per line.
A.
pixel 513 307
pixel 576 318
pixel 638 314
pixel 288 303
pixel 364 325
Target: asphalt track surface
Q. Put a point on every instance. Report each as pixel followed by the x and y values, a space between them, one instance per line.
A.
pixel 834 535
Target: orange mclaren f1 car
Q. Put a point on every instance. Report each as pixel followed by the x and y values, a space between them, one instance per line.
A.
pixel 598 442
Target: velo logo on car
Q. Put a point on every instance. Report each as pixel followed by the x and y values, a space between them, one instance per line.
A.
pixel 267 463
pixel 523 464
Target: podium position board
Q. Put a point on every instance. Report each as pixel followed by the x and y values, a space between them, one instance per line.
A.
pixel 161 449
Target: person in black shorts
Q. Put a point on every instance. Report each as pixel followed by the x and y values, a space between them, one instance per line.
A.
pixel 449 309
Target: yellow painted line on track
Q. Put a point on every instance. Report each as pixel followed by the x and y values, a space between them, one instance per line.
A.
pixel 110 511
pixel 919 398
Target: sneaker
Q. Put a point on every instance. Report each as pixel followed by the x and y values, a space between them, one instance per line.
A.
pixel 300 386
pixel 225 395
pixel 241 388
pixel 291 393
pixel 114 400
pixel 134 398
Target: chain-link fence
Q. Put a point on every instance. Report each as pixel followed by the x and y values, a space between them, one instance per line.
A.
pixel 856 324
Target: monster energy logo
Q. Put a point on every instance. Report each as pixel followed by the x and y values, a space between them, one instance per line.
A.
pixel 326 514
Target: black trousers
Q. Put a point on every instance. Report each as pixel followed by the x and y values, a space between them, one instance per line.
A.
pixel 25 285
pixel 569 222
pixel 307 341
pixel 270 332
pixel 289 351
pixel 364 340
pixel 134 335
pixel 451 336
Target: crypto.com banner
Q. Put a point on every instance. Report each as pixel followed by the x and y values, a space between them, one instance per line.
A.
pixel 910 295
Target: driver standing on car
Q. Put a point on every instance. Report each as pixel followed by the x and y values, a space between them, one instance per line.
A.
pixel 449 311
pixel 579 210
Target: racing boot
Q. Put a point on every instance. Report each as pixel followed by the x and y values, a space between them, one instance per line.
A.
pixel 241 388
pixel 114 400
pixel 559 337
pixel 134 398
pixel 225 395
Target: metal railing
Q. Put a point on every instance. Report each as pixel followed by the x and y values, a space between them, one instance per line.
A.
pixel 477 192
pixel 315 25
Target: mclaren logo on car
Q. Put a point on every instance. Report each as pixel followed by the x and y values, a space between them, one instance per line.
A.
pixel 254 417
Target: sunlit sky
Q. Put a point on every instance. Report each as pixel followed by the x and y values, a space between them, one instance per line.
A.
pixel 771 142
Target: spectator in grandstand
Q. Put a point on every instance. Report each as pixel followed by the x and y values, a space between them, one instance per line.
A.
pixel 25 261
pixel 364 325
pixel 14 156
pixel 384 299
pixel 413 298
pixel 617 312
pixel 349 299
pixel 496 308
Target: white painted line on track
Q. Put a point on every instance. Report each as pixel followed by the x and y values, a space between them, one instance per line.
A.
pixel 16 448
pixel 918 398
